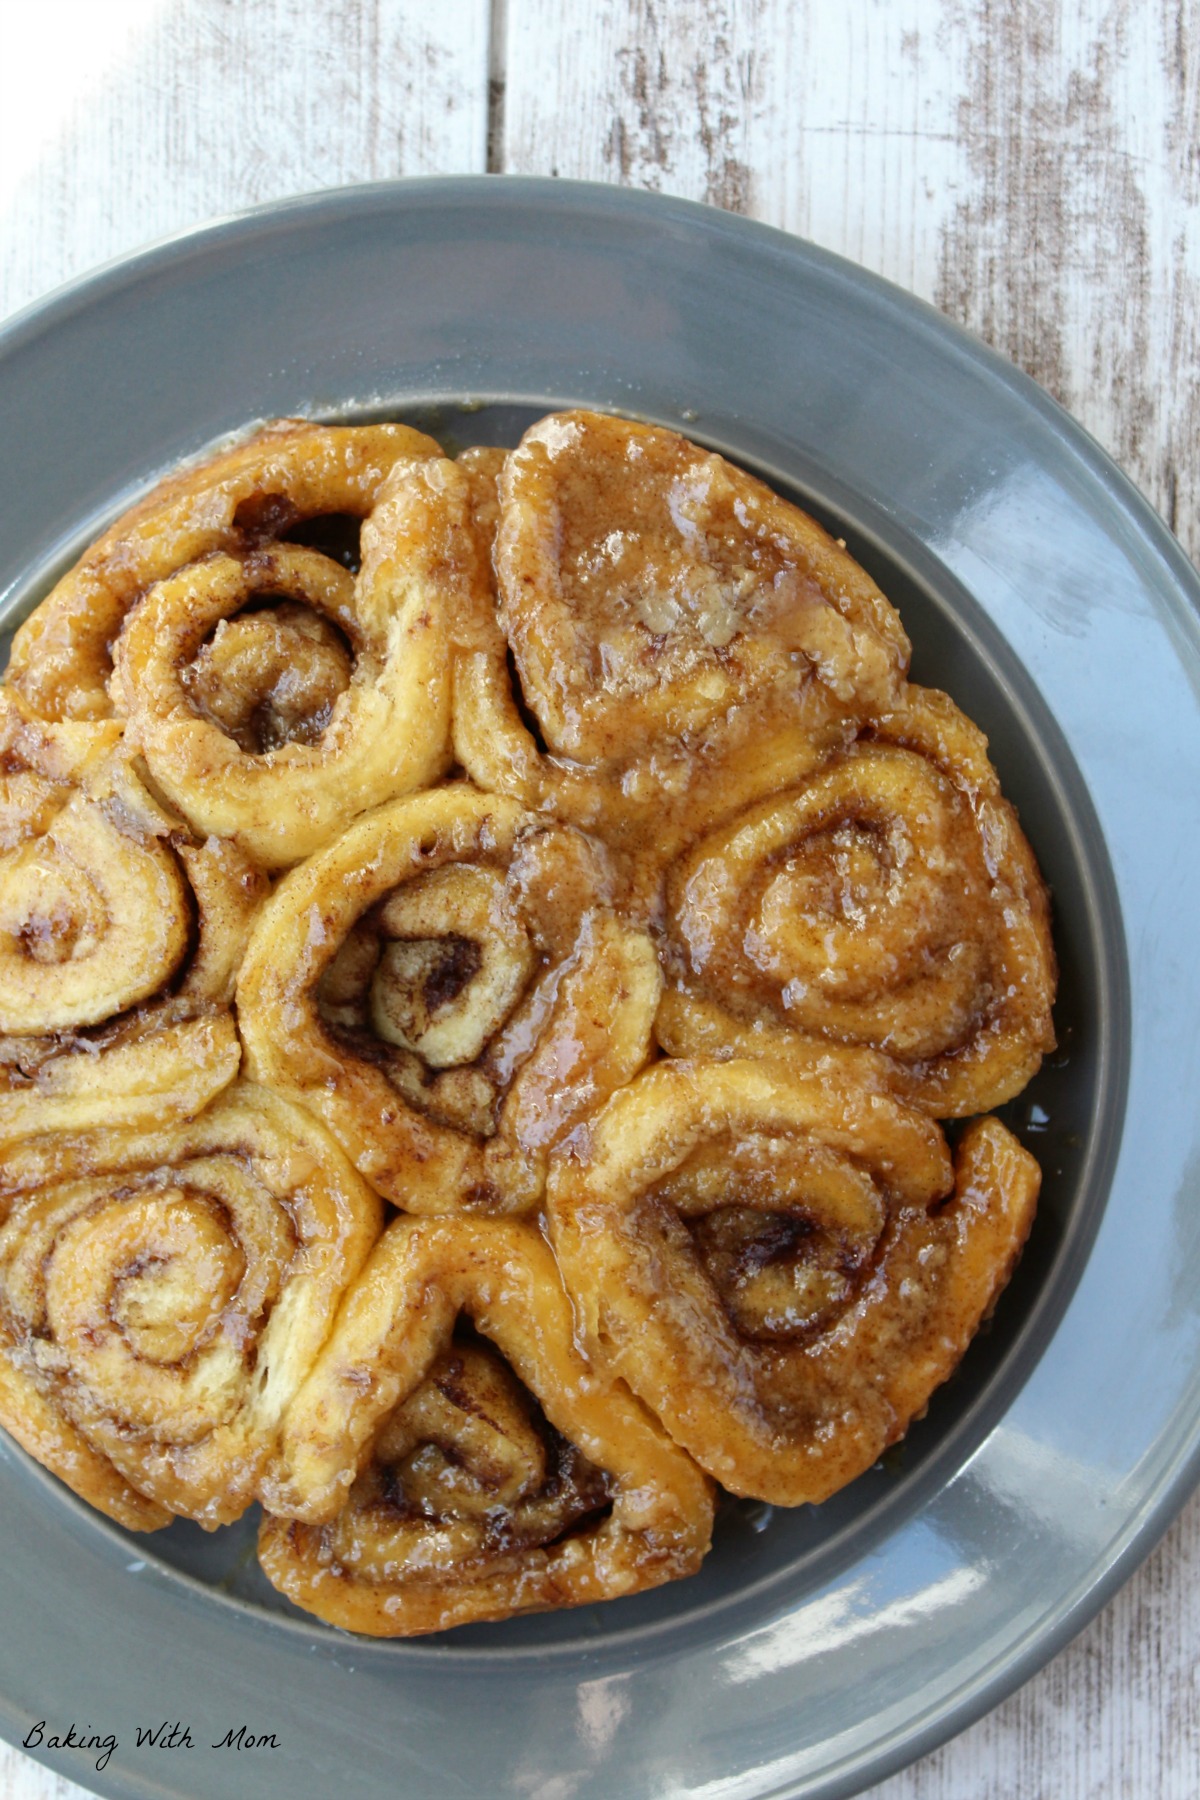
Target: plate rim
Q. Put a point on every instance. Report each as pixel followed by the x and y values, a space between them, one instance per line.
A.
pixel 126 268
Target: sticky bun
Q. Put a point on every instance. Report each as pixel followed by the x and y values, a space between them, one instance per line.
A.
pixel 163 1294
pixel 120 934
pixel 488 947
pixel 452 1457
pixel 887 907
pixel 783 1268
pixel 663 638
pixel 449 987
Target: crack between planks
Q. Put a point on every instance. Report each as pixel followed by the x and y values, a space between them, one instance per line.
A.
pixel 497 72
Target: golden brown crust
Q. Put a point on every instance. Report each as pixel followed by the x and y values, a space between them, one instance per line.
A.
pixel 448 987
pixel 442 1485
pixel 120 935
pixel 888 909
pixel 151 1069
pixel 93 912
pixel 677 636
pixel 164 1293
pixel 41 1429
pixel 771 1262
pixel 276 727
pixel 290 472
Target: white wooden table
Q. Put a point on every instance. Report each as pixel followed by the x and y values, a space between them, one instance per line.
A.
pixel 1035 175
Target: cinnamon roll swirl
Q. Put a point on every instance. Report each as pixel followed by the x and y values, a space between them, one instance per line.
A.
pixel 293 478
pixel 450 989
pixel 275 696
pixel 668 636
pixel 119 937
pixel 452 1458
pixel 703 814
pixel 887 909
pixel 163 1294
pixel 782 1267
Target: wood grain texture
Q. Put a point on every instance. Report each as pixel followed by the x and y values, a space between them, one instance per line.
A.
pixel 131 119
pixel 1033 170
pixel 21 1779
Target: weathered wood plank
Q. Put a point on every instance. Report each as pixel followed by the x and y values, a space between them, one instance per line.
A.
pixel 1033 170
pixel 1075 246
pixel 22 1779
pixel 127 119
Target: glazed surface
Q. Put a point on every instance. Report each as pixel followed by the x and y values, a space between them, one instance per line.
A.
pixel 485 948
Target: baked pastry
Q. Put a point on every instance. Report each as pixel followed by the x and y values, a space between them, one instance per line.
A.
pixel 290 480
pixel 163 1294
pixel 275 727
pixel 470 992
pixel 120 933
pixel 435 1477
pixel 781 1267
pixel 476 1160
pixel 888 909
pixel 669 639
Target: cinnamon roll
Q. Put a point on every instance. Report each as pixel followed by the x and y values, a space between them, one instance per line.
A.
pixel 164 1293
pixel 119 937
pixel 782 1267
pixel 292 479
pixel 275 696
pixel 887 909
pixel 715 917
pixel 449 988
pixel 668 636
pixel 452 1458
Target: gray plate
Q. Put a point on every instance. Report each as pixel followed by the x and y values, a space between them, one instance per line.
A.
pixel 819 1649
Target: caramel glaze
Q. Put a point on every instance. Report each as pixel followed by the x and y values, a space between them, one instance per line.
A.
pixel 254 494
pixel 275 696
pixel 665 638
pixel 887 909
pixel 680 960
pixel 450 987
pixel 164 1293
pixel 473 1453
pixel 783 1268
pixel 270 679
pixel 432 1480
pixel 120 935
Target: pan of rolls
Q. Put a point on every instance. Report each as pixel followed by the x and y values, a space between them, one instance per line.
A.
pixel 505 992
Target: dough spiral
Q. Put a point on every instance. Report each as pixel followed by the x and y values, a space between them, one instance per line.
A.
pixel 164 1293
pixel 668 636
pixel 888 909
pixel 274 727
pixel 448 987
pixel 642 1012
pixel 446 1477
pixel 783 1268
pixel 120 935
pixel 292 477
